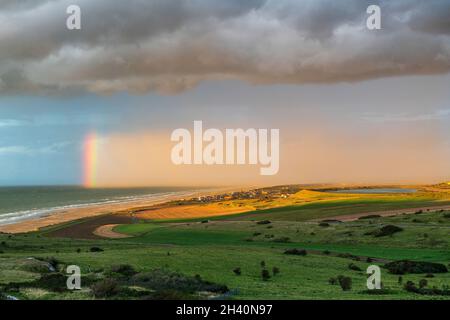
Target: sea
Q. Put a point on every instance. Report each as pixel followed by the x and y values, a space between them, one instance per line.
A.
pixel 23 203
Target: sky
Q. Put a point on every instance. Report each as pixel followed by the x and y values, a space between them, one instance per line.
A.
pixel 353 105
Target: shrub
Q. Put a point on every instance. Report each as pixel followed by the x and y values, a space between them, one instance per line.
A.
pixel 400 280
pixel 275 271
pixel 262 264
pixel 297 252
pixel 161 280
pixel 354 267
pixel 123 269
pixel 52 281
pixel 324 224
pixel 369 260
pixel 333 281
pixel 387 231
pixel 345 283
pixel 326 252
pixel 237 271
pixel 406 266
pixel 282 240
pixel 265 274
pixel 263 222
pixel 105 288
pixel 96 249
pixel 370 216
pixel 423 283
pixel 429 275
pixel 257 234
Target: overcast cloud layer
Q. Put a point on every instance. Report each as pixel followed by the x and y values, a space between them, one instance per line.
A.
pixel 170 46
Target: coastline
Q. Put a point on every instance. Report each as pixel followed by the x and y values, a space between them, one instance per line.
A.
pixel 71 214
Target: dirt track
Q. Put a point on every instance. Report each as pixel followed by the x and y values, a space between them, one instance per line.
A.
pixel 86 229
pixel 106 231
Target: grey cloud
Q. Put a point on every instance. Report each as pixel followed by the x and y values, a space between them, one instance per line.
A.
pixel 171 45
pixel 433 116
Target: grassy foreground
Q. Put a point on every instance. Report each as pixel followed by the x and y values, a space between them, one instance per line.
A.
pixel 235 250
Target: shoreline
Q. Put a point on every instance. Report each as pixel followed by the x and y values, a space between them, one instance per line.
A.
pixel 71 214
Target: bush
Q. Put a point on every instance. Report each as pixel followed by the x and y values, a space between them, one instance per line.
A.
pixel 354 267
pixel 345 283
pixel 423 283
pixel 105 288
pixel 237 271
pixel 263 222
pixel 429 275
pixel 297 252
pixel 275 271
pixel 123 269
pixel 324 224
pixel 333 281
pixel 96 249
pixel 387 231
pixel 257 234
pixel 282 240
pixel 265 275
pixel 326 252
pixel 161 280
pixel 53 281
pixel 262 264
pixel 406 266
pixel 370 216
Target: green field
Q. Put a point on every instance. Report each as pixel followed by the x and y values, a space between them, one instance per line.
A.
pixel 213 249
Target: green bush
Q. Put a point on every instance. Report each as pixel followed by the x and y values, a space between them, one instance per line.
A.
pixel 105 288
pixel 282 240
pixel 237 271
pixel 387 231
pixel 354 267
pixel 345 283
pixel 265 274
pixel 123 269
pixel 161 280
pixel 423 283
pixel 297 252
pixel 52 281
pixel 406 266
pixel 263 222
pixel 370 216
pixel 275 271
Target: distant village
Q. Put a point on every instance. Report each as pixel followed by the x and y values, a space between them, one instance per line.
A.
pixel 260 194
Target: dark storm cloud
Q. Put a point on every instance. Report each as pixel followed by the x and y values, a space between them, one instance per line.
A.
pixel 171 45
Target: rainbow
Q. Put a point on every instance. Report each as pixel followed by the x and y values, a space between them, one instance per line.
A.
pixel 90 160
